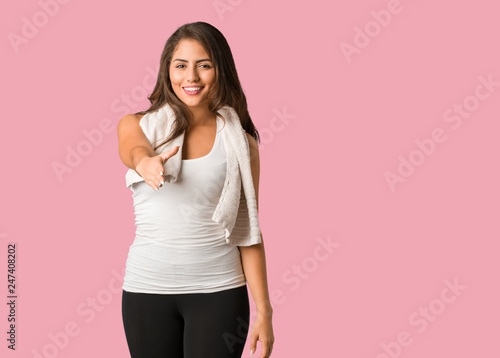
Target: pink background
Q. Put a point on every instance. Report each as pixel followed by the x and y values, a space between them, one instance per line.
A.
pixel 382 289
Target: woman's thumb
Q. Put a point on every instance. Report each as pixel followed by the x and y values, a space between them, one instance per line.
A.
pixel 169 153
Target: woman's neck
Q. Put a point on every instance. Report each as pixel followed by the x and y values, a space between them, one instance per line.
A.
pixel 201 116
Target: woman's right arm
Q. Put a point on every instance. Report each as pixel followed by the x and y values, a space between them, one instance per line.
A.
pixel 137 153
pixel 132 142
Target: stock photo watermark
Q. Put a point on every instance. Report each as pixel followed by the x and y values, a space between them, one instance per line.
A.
pixel 422 318
pixel 223 6
pixel 381 19
pixel 242 331
pixel 292 277
pixel 75 155
pixel 12 295
pixel 87 311
pixel 32 25
pixel 454 116
pixel 296 274
pixel 278 123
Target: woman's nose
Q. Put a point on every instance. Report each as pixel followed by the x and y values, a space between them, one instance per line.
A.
pixel 192 74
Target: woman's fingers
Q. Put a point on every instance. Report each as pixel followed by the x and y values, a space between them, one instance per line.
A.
pixel 159 182
pixel 151 168
pixel 262 331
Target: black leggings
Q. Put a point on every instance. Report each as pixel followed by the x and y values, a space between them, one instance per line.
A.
pixel 191 325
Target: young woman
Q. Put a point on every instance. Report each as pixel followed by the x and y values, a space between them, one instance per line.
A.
pixel 184 292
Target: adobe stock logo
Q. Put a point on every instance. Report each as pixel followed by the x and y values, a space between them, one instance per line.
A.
pixel 30 27
pixel 427 146
pixel 89 310
pixel 223 6
pixel 294 276
pixel 373 28
pixel 84 148
pixel 277 124
pixel 422 318
pixel 299 273
pixel 125 103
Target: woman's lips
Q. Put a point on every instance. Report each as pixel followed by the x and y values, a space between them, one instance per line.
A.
pixel 192 92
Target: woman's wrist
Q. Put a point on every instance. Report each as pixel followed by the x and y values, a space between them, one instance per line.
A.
pixel 264 309
pixel 139 153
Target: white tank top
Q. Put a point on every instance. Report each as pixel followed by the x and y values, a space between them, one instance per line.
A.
pixel 178 248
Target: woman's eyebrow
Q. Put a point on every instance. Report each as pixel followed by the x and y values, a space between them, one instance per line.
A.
pixel 205 59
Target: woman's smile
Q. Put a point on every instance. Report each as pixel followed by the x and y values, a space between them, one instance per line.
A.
pixel 192 90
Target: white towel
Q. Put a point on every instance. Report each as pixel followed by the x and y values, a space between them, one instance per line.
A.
pixel 237 207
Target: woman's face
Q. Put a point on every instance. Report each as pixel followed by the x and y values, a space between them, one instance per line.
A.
pixel 191 68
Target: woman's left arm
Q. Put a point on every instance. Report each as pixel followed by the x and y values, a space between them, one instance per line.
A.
pixel 253 259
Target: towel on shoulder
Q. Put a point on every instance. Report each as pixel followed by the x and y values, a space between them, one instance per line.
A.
pixel 237 207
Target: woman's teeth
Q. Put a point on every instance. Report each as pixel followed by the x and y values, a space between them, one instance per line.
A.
pixel 192 89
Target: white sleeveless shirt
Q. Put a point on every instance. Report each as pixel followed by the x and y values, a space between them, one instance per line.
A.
pixel 178 248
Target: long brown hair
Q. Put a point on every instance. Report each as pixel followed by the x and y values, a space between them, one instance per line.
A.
pixel 226 90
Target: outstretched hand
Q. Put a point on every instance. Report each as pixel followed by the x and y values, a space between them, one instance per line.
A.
pixel 151 168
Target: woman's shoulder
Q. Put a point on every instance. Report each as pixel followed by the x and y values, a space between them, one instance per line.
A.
pixel 129 120
pixel 132 117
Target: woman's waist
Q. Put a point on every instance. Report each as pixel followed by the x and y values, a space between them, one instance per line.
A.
pixel 171 258
pixel 174 236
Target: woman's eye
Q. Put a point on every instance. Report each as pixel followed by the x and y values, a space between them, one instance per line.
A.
pixel 203 65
